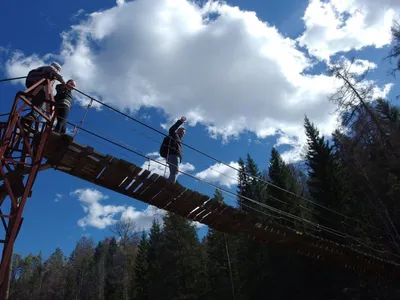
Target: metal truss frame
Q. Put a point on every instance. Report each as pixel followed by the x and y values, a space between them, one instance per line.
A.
pixel 21 154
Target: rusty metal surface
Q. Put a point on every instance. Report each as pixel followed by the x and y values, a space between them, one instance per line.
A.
pixel 131 180
pixel 21 154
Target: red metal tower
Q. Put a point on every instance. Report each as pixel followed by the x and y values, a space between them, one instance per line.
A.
pixel 21 153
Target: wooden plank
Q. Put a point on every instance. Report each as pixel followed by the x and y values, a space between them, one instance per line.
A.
pixel 142 178
pixel 82 159
pixel 172 193
pixel 203 209
pixel 225 222
pixel 195 201
pixel 176 205
pixel 200 215
pixel 133 173
pixel 214 213
pixel 146 185
pixel 93 169
pixel 113 174
pixel 167 195
pixel 215 210
pixel 154 189
pixel 67 161
pixel 235 216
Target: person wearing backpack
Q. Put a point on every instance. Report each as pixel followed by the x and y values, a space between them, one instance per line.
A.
pixel 51 72
pixel 171 148
pixel 63 100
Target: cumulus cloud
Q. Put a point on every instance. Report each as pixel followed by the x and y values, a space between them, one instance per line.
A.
pixel 220 173
pixel 160 169
pixel 217 64
pixel 98 215
pixel 101 216
pixel 342 25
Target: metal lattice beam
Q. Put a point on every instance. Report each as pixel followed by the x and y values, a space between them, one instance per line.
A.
pixel 21 154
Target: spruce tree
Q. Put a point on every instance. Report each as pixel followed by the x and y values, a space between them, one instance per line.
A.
pixel 287 190
pixel 325 182
pixel 53 279
pixel 255 187
pixel 155 276
pixel 278 174
pixel 112 282
pixel 242 180
pixel 142 270
pixel 250 257
pixel 181 260
pixel 220 274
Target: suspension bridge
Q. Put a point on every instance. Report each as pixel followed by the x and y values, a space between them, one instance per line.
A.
pixel 25 153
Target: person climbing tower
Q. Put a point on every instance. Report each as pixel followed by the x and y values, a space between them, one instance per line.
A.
pixel 51 72
pixel 171 148
pixel 63 100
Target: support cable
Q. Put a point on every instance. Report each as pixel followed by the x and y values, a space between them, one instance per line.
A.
pixel 199 151
pixel 321 227
pixel 207 155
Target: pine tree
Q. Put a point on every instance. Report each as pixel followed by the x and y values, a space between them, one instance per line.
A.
pixel 287 190
pixel 242 180
pixel 155 275
pixel 26 277
pixel 53 278
pixel 278 174
pixel 250 257
pixel 113 276
pixel 220 274
pixel 181 260
pixel 141 270
pixel 325 182
pixel 255 188
pixel 99 267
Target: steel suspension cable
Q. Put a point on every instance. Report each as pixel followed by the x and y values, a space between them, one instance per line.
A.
pixel 321 227
pixel 211 157
pixel 196 150
pixel 211 184
pixel 230 177
pixel 199 151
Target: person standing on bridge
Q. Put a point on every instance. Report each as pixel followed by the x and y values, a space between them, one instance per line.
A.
pixel 51 72
pixel 63 100
pixel 171 148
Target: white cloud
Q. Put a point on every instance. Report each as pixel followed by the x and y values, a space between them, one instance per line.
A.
pixel 220 173
pixel 58 197
pixel 98 215
pixel 160 169
pixel 143 219
pixel 120 2
pixel 342 25
pixel 101 216
pixel 231 73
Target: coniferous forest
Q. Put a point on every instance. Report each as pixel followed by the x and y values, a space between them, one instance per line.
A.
pixel 348 183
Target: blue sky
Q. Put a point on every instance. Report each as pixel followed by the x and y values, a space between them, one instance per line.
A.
pixel 230 113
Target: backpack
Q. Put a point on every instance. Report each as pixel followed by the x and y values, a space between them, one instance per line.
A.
pixel 164 147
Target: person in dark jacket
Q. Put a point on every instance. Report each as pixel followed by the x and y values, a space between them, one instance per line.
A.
pixel 174 156
pixel 51 72
pixel 63 100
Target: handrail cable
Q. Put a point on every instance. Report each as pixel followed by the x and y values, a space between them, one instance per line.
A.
pixel 199 151
pixel 226 175
pixel 324 228
pixel 211 157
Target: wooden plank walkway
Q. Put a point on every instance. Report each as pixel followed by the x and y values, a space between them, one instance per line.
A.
pixel 130 180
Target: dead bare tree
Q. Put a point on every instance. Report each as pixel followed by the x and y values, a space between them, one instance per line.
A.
pixel 395 50
pixel 355 100
pixel 125 230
